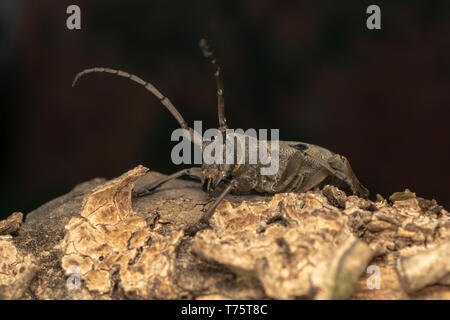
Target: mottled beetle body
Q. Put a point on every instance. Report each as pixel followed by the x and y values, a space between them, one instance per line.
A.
pixel 302 166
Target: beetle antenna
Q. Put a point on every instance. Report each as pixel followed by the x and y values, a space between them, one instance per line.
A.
pixel 147 85
pixel 207 52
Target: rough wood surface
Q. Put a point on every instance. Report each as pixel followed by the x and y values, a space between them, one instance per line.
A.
pixel 97 243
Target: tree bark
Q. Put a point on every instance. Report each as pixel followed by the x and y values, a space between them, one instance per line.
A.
pixel 96 242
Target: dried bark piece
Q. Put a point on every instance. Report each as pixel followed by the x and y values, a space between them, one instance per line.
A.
pixel 113 247
pixel 213 297
pixel 11 224
pixel 335 196
pixel 425 268
pixel 389 228
pixel 343 270
pixel 424 204
pixel 194 277
pixel 16 270
pixel 310 245
pixel 404 195
pixel 290 256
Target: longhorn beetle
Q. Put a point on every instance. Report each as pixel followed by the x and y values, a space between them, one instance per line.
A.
pixel 302 166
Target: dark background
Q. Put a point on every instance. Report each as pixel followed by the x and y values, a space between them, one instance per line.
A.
pixel 311 69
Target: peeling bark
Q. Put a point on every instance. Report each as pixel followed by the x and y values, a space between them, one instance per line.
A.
pixel 96 242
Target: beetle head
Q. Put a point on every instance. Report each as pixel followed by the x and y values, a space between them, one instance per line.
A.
pixel 214 173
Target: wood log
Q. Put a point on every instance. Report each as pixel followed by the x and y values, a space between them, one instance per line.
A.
pixel 97 242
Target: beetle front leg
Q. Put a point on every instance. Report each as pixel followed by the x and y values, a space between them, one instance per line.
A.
pixel 203 223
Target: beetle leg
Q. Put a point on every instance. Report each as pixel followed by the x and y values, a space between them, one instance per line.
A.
pixel 204 220
pixel 339 167
pixel 313 181
pixel 194 173
pixel 341 164
pixel 294 186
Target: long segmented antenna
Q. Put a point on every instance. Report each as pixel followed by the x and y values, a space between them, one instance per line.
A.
pixel 163 99
pixel 207 52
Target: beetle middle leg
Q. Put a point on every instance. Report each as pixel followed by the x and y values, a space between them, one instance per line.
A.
pixel 313 181
pixel 194 173
pixel 290 177
pixel 294 181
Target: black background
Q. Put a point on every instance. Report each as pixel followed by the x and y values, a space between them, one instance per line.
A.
pixel 172 309
pixel 310 68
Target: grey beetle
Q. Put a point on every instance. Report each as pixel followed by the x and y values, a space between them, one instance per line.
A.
pixel 302 166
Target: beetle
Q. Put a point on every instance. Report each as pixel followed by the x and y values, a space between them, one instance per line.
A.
pixel 302 166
